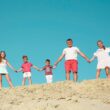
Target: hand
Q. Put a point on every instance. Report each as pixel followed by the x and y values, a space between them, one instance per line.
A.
pixel 88 61
pixel 15 71
pixel 54 66
pixel 39 70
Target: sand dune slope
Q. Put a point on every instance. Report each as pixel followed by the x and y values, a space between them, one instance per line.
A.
pixel 87 95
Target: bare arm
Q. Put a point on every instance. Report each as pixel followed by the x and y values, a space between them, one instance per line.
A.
pixel 41 69
pixel 84 56
pixel 35 67
pixel 11 66
pixel 92 59
pixel 59 59
pixel 20 70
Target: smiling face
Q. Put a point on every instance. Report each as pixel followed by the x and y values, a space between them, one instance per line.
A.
pixel 100 44
pixel 69 43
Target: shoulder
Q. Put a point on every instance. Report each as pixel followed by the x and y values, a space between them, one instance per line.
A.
pixel 30 63
pixel 44 67
pixel 65 49
pixel 107 48
pixel 76 49
pixel 22 65
pixel 4 60
pixel 51 66
pixel 96 52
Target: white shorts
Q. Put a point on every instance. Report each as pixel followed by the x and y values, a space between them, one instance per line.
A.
pixel 49 78
pixel 26 74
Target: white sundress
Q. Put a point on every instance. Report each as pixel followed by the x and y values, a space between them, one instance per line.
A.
pixel 3 67
pixel 103 58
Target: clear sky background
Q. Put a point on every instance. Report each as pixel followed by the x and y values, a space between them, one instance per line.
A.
pixel 39 29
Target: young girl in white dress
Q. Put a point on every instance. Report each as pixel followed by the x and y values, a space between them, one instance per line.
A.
pixel 3 69
pixel 103 56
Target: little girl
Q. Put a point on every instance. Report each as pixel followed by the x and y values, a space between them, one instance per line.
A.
pixel 102 54
pixel 3 69
pixel 48 71
pixel 26 69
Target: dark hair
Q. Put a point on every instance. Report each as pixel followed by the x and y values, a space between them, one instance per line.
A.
pixel 101 42
pixel 69 40
pixel 48 60
pixel 0 55
pixel 25 57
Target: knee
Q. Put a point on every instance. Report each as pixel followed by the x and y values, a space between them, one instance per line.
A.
pixel 98 70
pixel 67 72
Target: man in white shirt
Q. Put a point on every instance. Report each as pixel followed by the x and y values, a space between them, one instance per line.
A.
pixel 71 64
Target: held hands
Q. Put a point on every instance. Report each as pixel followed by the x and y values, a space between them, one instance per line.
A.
pixel 54 66
pixel 15 71
pixel 88 61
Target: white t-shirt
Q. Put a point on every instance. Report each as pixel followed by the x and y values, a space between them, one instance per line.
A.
pixel 3 67
pixel 71 53
pixel 103 58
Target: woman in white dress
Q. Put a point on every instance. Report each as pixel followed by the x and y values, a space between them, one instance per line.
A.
pixel 103 56
pixel 3 69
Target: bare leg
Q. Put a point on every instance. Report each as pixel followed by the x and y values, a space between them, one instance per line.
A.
pixel 107 72
pixel 9 80
pixel 75 76
pixel 98 73
pixel 0 81
pixel 67 75
pixel 30 80
pixel 23 82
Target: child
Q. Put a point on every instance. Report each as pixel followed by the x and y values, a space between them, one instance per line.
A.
pixel 3 69
pixel 103 56
pixel 26 69
pixel 48 71
pixel 71 64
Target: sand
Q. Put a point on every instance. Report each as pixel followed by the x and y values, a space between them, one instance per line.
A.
pixel 67 95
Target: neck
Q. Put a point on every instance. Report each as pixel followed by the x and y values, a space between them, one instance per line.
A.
pixel 26 62
pixel 70 46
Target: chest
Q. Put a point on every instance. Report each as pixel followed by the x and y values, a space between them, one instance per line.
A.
pixel 26 65
pixel 102 53
pixel 48 69
pixel 70 51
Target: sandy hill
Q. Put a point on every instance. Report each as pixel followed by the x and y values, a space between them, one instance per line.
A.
pixel 87 95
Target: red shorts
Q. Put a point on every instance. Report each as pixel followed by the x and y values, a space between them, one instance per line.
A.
pixel 71 65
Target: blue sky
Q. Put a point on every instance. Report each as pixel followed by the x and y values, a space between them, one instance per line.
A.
pixel 39 29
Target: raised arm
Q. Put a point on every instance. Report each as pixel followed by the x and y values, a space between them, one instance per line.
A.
pixel 59 59
pixel 11 66
pixel 84 56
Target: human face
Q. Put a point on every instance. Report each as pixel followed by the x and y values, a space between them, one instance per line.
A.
pixel 25 60
pixel 47 63
pixel 3 55
pixel 69 43
pixel 100 45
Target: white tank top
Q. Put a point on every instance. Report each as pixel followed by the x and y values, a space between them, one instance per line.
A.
pixel 3 67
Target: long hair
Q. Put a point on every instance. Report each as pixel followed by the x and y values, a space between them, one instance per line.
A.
pixel 1 57
pixel 102 43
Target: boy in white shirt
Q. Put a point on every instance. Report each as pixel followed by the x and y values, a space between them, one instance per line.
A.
pixel 71 64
